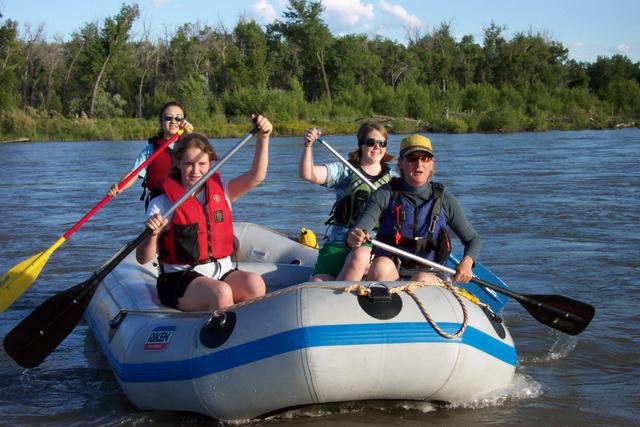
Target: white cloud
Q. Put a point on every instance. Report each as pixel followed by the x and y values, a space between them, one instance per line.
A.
pixel 622 48
pixel 401 14
pixel 347 14
pixel 264 12
pixel 159 2
pixel 578 45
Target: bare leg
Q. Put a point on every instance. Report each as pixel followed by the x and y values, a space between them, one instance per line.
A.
pixel 321 278
pixel 204 293
pixel 425 277
pixel 383 268
pixel 356 265
pixel 245 285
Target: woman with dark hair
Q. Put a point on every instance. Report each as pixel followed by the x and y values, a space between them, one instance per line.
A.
pixel 172 118
pixel 194 245
pixel 335 260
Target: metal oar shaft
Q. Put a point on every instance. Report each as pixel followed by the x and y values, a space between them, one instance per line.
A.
pixel 194 188
pixel 347 164
pixel 412 257
pixel 515 295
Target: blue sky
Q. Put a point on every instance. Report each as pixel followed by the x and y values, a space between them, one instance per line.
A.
pixel 588 28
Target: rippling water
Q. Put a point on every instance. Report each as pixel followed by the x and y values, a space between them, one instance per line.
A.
pixel 557 211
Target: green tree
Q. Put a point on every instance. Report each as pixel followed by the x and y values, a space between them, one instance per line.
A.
pixel 608 70
pixel 310 39
pixel 493 48
pixel 398 63
pixel 351 63
pixel 10 60
pixel 624 95
pixel 467 60
pixel 112 39
pixel 252 46
pixel 530 58
pixel 194 92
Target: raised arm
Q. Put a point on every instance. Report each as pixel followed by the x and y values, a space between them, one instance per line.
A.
pixel 247 181
pixel 306 169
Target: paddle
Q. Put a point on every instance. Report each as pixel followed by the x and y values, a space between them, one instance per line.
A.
pixel 559 312
pixel 33 339
pixel 18 279
pixel 347 163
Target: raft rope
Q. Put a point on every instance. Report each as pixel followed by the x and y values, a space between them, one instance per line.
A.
pixel 358 288
pixel 361 290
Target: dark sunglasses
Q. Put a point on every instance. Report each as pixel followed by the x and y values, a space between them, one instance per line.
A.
pixel 168 117
pixel 370 142
pixel 424 158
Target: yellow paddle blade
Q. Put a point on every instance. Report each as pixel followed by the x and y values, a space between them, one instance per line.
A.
pixel 15 281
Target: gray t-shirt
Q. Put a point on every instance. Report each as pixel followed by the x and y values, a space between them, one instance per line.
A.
pixel 454 215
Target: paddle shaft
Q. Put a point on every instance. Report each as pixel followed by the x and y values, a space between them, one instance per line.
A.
pixel 360 174
pixel 347 164
pixel 558 318
pixel 132 175
pixel 36 336
pixel 519 297
pixel 129 247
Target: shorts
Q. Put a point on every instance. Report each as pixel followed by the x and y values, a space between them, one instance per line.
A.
pixel 331 258
pixel 173 284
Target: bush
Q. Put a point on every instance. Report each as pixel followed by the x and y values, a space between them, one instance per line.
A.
pixel 18 123
pixel 194 93
pixel 502 120
pixel 479 97
pixel 455 125
pixel 418 101
pixel 388 102
pixel 357 101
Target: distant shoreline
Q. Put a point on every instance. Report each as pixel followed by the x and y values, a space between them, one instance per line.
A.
pixel 43 129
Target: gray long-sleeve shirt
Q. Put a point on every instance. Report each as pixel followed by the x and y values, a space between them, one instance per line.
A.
pixel 454 215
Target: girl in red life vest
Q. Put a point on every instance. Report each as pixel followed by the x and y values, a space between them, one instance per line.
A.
pixel 172 119
pixel 195 244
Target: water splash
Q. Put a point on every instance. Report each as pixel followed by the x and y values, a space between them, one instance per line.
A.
pixel 522 387
pixel 561 348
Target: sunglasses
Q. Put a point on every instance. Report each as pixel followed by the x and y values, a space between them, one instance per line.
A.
pixel 168 117
pixel 424 158
pixel 370 142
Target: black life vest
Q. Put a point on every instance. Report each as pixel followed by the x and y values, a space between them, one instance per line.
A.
pixel 345 211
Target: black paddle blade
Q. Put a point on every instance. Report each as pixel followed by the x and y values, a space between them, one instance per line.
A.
pixel 33 339
pixel 559 312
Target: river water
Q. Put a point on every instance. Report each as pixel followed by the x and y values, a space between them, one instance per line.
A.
pixel 557 211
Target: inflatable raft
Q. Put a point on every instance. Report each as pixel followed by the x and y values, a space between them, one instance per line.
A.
pixel 302 344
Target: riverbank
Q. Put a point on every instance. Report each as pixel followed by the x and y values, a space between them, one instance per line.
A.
pixel 21 126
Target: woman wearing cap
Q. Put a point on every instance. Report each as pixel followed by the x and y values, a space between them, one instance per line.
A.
pixel 335 260
pixel 415 214
pixel 172 119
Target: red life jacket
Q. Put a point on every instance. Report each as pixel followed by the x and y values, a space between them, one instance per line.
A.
pixel 197 233
pixel 158 169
